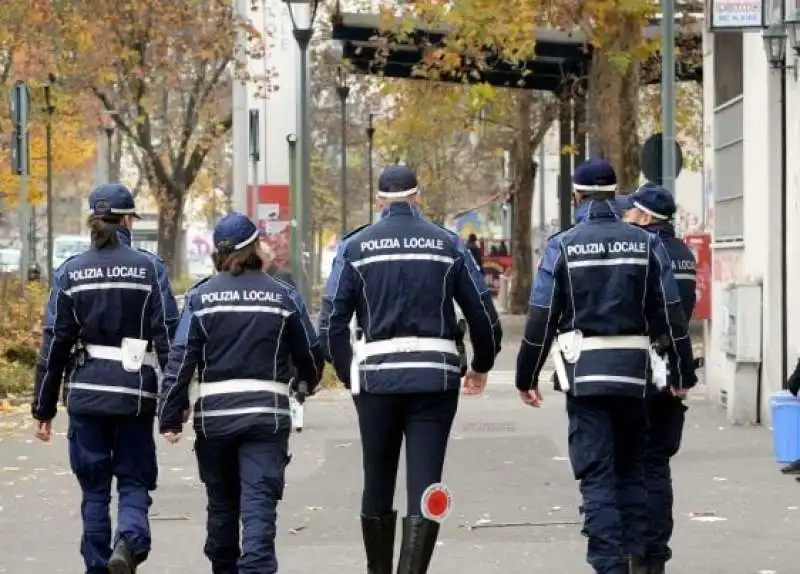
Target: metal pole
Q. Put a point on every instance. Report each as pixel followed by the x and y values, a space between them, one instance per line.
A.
pixel 542 172
pixel 25 214
pixel 303 38
pixel 668 158
pixel 49 153
pixel 370 136
pixel 343 92
pixel 291 139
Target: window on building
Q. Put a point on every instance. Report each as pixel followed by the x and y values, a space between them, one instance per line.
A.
pixel 728 137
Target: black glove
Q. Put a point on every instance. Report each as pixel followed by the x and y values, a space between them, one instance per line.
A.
pixel 793 384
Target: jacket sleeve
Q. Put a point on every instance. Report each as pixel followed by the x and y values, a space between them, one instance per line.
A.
pixel 338 305
pixel 475 300
pixel 184 355
pixel 665 316
pixel 543 315
pixel 60 332
pixel 159 329
pixel 169 305
pixel 304 344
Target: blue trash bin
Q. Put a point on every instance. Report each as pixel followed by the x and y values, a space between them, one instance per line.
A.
pixel 785 426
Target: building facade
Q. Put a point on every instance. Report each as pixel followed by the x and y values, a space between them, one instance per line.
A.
pixel 755 212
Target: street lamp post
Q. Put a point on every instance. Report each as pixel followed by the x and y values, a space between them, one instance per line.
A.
pixel 343 90
pixel 302 14
pixel 370 136
pixel 775 37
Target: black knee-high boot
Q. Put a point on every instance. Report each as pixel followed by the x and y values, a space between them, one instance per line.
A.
pixel 419 540
pixel 378 533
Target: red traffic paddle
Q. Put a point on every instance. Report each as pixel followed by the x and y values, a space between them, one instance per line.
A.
pixel 436 502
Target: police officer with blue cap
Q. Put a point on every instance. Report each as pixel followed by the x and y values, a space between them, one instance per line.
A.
pixel 603 291
pixel 240 328
pixel 401 276
pixel 652 207
pixel 107 324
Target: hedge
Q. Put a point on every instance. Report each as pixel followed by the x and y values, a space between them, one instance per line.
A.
pixel 21 333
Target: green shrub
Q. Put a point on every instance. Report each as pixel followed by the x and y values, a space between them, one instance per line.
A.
pixel 16 380
pixel 182 284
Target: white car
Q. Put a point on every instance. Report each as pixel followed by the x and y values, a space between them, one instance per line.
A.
pixel 10 260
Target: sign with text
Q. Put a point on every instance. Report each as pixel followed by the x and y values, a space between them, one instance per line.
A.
pixel 269 206
pixel 736 15
pixel 700 244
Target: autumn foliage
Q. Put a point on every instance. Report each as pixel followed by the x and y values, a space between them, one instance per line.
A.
pixel 20 333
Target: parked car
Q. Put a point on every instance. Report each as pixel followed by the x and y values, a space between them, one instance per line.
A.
pixel 10 260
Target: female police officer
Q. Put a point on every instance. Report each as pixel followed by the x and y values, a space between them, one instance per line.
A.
pixel 240 328
pixel 107 323
pixel 401 276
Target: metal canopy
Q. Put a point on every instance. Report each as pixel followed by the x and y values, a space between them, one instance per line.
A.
pixel 561 57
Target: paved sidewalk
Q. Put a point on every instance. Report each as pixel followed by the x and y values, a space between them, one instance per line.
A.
pixel 736 514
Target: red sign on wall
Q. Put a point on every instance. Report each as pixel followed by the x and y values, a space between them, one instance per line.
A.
pixel 700 244
pixel 270 207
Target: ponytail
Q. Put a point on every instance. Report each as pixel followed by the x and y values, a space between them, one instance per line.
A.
pixel 103 230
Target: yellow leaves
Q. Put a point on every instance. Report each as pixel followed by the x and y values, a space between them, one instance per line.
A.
pixel 71 152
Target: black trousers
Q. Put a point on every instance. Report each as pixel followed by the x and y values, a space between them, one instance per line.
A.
pixel 424 419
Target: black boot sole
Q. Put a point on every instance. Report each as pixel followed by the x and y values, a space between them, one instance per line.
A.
pixel 117 565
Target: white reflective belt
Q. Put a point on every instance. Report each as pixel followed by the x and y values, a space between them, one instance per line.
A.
pixel 232 386
pixel 617 342
pixel 112 389
pixel 243 411
pixel 107 353
pixel 409 345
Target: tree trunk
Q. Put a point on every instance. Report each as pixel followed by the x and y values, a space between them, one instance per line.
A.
pixel 524 174
pixel 170 207
pixel 614 97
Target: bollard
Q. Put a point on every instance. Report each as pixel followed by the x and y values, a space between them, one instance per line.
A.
pixel 502 294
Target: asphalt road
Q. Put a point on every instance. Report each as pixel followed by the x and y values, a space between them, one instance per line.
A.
pixel 515 503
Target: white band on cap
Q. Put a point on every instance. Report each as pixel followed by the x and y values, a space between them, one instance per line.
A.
pixel 247 241
pixel 580 187
pixel 113 211
pixel 398 194
pixel 655 214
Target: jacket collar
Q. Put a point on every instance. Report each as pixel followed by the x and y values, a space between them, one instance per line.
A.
pixel 124 235
pixel 595 209
pixel 401 208
pixel 663 229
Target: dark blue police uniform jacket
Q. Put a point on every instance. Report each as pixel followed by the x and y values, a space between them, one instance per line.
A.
pixel 612 284
pixel 171 313
pixel 240 333
pixel 684 267
pixel 400 276
pixel 99 298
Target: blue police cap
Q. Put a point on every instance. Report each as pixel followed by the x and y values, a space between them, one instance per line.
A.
pixel 594 175
pixel 652 199
pixel 112 199
pixel 399 178
pixel 235 231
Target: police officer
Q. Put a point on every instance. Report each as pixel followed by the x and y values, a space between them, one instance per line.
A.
pixel 603 290
pixel 107 324
pixel 652 207
pixel 240 327
pixel 400 276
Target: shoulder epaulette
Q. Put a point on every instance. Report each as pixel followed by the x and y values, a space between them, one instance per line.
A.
pixel 559 232
pixel 356 230
pixel 197 284
pixel 156 256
